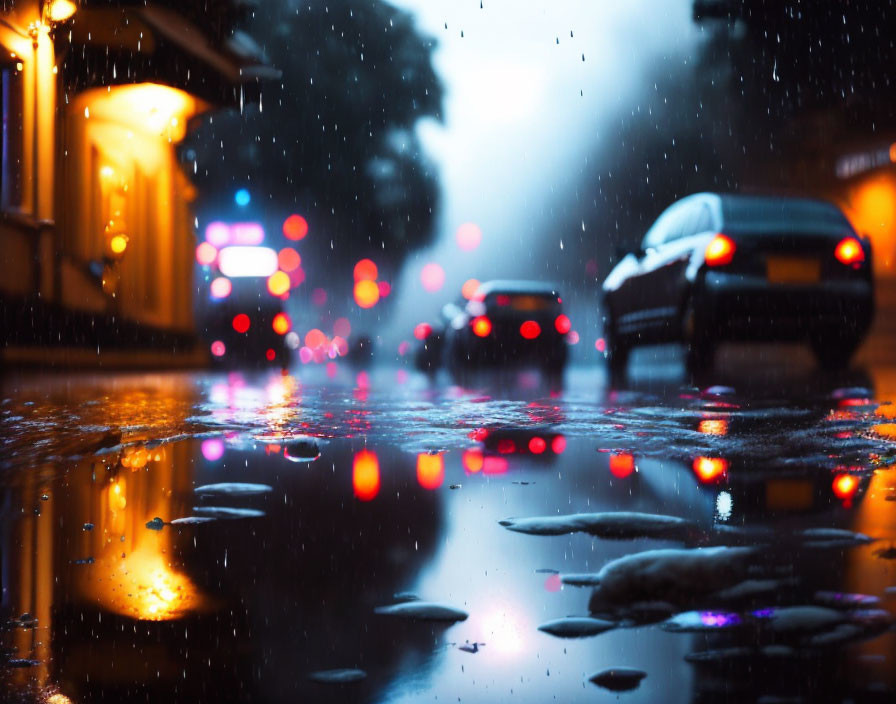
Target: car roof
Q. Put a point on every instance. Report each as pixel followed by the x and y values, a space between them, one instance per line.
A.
pixel 777 212
pixel 516 286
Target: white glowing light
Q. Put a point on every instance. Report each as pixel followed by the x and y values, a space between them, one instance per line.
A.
pixel 247 261
pixel 724 504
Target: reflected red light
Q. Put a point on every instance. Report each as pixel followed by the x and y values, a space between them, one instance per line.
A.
pixel 281 323
pixel 849 252
pixel 482 326
pixel 562 324
pixel 710 469
pixel 366 475
pixel 506 446
pixel 558 444
pixel 472 461
pixel 430 470
pixel 537 445
pixel 432 276
pixel 295 227
pixel 845 486
pixel 270 354
pixel 530 330
pixel 365 270
pixel 719 251
pixel 218 348
pixel 385 288
pixel 494 465
pixel 622 465
pixel 241 322
pixel 206 253
pixel 422 331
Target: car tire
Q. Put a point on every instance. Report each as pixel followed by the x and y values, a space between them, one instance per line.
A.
pixel 833 353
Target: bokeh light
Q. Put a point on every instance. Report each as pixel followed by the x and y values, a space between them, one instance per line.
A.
pixel 562 324
pixel 365 270
pixel 468 290
pixel 218 348
pixel 342 327
pixel 220 287
pixel 281 323
pixel 366 475
pixel 278 283
pixel 242 197
pixel 289 259
pixel 622 465
pixel 469 236
pixel 319 297
pixel 241 322
pixel 845 486
pixel 432 276
pixel 422 330
pixel 367 293
pixel 537 445
pixel 295 227
pixel 710 469
pixel 530 329
pixel 430 470
pixel 212 449
pixel 315 338
pixel 385 288
pixel 482 326
pixel 206 254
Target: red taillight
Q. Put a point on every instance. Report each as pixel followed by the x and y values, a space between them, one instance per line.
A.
pixel 710 469
pixel 845 486
pixel 422 331
pixel 537 445
pixel 482 326
pixel 530 330
pixel 241 322
pixel 849 252
pixel 563 324
pixel 720 250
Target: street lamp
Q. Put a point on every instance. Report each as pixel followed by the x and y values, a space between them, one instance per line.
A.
pixel 55 11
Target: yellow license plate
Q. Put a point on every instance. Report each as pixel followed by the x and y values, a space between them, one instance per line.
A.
pixel 788 494
pixel 792 270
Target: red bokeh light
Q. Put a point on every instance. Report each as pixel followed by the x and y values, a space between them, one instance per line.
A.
pixel 472 460
pixel 218 348
pixel 537 445
pixel 482 326
pixel 270 354
pixel 241 322
pixel 600 344
pixel 295 227
pixel 289 259
pixel 315 338
pixel 558 444
pixel 530 329
pixel 562 324
pixel 422 331
pixel 720 250
pixel 622 465
pixel 342 327
pixel 365 270
pixel 850 252
pixel 385 288
pixel 845 486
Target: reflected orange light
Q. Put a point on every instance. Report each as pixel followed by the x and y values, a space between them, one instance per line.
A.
pixel 710 469
pixel 367 293
pixel 622 465
pixel 366 475
pixel 365 270
pixel 469 288
pixel 430 470
pixel 713 426
pixel 279 283
pixel 845 486
pixel 472 461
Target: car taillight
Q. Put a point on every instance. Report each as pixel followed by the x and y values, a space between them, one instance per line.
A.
pixel 530 330
pixel 563 324
pixel 720 250
pixel 849 252
pixel 422 331
pixel 482 326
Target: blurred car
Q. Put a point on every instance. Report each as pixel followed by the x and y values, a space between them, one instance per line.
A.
pixel 508 322
pixel 247 329
pixel 719 267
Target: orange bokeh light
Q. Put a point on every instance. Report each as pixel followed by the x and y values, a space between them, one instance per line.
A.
pixel 367 293
pixel 482 326
pixel 845 486
pixel 365 270
pixel 468 290
pixel 278 283
pixel 295 227
pixel 430 470
pixel 622 465
pixel 289 259
pixel 366 475
pixel 315 338
pixel 281 324
pixel 710 469
pixel 472 461
pixel 713 426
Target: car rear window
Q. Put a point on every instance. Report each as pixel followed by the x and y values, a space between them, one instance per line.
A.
pixel 523 302
pixel 782 214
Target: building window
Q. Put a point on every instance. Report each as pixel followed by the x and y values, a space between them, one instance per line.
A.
pixel 11 140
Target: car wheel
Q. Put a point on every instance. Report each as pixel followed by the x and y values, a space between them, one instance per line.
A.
pixel 832 352
pixel 700 347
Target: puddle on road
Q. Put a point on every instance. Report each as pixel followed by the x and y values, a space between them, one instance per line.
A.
pixel 266 578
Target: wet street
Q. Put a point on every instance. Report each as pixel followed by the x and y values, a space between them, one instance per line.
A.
pixel 385 536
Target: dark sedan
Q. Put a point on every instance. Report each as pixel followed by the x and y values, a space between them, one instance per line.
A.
pixel 719 267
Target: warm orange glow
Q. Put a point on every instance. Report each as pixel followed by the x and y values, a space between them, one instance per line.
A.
pixel 710 469
pixel 278 283
pixel 295 227
pixel 472 461
pixel 622 465
pixel 469 288
pixel 315 338
pixel 365 270
pixel 60 10
pixel 713 426
pixel 430 470
pixel 887 430
pixel 289 259
pixel 281 324
pixel 530 330
pixel 719 251
pixel 206 254
pixel 845 486
pixel 118 244
pixel 562 324
pixel 871 207
pixel 367 293
pixel 482 326
pixel 849 252
pixel 366 475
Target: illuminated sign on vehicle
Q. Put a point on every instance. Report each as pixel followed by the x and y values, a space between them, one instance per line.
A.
pixel 222 234
pixel 247 261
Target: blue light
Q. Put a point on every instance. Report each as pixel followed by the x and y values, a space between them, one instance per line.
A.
pixel 242 197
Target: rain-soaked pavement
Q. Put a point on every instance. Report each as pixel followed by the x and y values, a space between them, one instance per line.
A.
pixel 381 536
